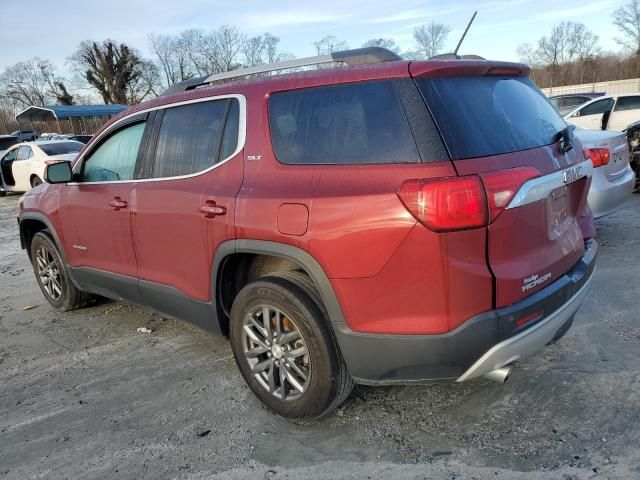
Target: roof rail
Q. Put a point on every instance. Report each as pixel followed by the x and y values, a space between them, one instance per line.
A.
pixel 453 56
pixel 358 56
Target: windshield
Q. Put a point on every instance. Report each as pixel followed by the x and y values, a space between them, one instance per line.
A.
pixel 61 148
pixel 481 116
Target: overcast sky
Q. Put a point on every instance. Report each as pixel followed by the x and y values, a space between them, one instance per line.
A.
pixel 52 30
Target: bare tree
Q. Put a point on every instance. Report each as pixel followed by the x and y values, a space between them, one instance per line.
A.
pixel 271 47
pixel 586 48
pixel 529 54
pixel 430 39
pixel 34 82
pixel 229 41
pixel 627 19
pixel 388 43
pixel 254 49
pixel 172 58
pixel 114 69
pixel 329 44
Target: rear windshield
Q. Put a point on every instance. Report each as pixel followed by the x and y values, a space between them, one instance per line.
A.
pixel 61 148
pixel 7 142
pixel 481 116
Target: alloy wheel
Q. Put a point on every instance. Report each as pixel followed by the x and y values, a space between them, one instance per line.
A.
pixel 49 273
pixel 276 352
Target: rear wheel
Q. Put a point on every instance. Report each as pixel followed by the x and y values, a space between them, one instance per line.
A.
pixel 35 181
pixel 285 349
pixel 53 277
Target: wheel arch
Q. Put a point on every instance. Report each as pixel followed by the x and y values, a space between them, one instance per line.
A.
pixel 297 256
pixel 31 223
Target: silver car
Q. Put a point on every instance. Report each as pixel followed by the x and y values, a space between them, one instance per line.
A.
pixel 613 179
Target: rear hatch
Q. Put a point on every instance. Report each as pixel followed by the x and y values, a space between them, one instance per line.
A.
pixel 497 124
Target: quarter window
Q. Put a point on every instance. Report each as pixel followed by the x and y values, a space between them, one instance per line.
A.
pixel 192 137
pixel 345 124
pixel 115 158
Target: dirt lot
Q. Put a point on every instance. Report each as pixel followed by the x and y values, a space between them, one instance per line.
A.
pixel 82 395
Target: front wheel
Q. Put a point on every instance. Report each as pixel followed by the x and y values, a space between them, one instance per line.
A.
pixel 53 277
pixel 285 349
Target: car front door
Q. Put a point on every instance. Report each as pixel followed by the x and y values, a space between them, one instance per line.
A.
pixel 185 209
pixel 590 116
pixel 95 210
pixel 626 111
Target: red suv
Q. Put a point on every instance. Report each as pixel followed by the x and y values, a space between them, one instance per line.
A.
pixel 379 223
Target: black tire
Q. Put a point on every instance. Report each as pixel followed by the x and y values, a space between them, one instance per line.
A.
pixel 294 295
pixel 69 297
pixel 35 181
pixel 3 193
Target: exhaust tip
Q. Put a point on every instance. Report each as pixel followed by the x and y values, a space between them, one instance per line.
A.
pixel 500 375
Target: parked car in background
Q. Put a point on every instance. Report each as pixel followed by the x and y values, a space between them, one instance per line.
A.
pixel 613 178
pixel 568 102
pixel 387 222
pixel 48 136
pixel 26 135
pixel 22 166
pixel 7 141
pixel 611 112
pixel 633 137
pixel 78 137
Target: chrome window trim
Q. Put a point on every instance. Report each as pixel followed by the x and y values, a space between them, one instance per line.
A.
pixel 540 187
pixel 242 135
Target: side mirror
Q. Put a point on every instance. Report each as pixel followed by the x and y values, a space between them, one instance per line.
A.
pixel 59 172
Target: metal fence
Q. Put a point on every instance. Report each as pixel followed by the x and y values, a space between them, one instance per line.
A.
pixel 614 87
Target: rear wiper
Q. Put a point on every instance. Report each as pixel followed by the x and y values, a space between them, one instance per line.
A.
pixel 565 136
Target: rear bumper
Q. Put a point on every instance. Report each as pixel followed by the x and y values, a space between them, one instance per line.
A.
pixel 606 196
pixel 487 341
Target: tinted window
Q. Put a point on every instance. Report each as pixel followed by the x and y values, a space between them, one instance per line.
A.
pixel 61 148
pixel 190 135
pixel 10 156
pixel 575 101
pixel 481 116
pixel 627 103
pixel 230 136
pixel 115 158
pixel 598 107
pixel 345 124
pixel 24 153
pixel 7 142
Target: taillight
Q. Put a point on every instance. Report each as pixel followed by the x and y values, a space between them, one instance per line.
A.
pixel 461 203
pixel 503 185
pixel 455 203
pixel 598 156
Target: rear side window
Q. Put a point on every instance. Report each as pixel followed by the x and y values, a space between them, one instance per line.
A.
pixel 598 107
pixel 345 124
pixel 482 116
pixel 192 137
pixel 24 153
pixel 627 103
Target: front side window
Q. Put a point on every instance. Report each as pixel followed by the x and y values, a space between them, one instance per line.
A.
pixel 24 153
pixel 362 123
pixel 193 137
pixel 598 107
pixel 115 158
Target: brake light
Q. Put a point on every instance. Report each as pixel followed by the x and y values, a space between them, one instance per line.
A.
pixel 505 71
pixel 599 156
pixel 502 186
pixel 455 203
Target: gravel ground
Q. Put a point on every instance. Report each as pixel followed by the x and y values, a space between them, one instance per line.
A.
pixel 82 395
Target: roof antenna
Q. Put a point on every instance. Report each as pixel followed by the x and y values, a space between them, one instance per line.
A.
pixel 455 52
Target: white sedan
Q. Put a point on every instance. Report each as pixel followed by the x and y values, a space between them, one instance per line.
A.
pixel 610 112
pixel 22 166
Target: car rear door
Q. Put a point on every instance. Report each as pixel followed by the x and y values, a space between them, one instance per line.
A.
pixel 185 207
pixel 502 129
pixel 590 116
pixel 22 167
pixel 626 111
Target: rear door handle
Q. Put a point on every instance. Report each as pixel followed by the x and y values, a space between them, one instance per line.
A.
pixel 211 209
pixel 117 203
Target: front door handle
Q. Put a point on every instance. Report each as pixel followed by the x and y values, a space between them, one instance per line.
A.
pixel 117 203
pixel 211 209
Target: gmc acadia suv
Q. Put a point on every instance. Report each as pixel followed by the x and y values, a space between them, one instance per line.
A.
pixel 381 222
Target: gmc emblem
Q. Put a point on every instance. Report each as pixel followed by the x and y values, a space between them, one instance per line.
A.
pixel 572 174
